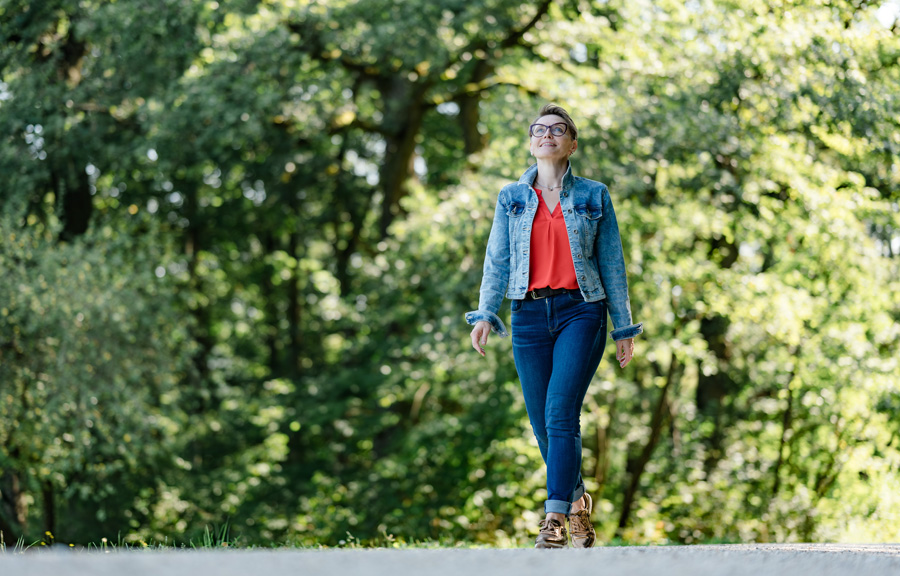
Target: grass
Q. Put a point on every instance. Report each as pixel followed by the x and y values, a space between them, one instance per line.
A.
pixel 219 537
pixel 212 539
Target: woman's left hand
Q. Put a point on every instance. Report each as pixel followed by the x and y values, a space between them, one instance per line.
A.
pixel 624 351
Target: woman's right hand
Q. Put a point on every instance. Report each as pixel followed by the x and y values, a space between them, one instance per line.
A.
pixel 480 334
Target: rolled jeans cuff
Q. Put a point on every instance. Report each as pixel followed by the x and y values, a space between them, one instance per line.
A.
pixel 561 506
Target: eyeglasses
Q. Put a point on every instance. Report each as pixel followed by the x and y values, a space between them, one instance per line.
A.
pixel 539 130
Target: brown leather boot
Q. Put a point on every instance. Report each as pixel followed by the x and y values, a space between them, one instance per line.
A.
pixel 583 535
pixel 552 535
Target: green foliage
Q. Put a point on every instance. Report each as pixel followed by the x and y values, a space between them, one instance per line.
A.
pixel 238 237
pixel 93 350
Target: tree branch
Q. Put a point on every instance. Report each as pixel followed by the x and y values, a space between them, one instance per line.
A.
pixel 478 88
pixel 512 38
pixel 637 466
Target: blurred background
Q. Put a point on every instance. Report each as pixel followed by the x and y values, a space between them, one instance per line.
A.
pixel 238 237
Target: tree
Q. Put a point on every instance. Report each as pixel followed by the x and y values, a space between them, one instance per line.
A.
pixel 285 204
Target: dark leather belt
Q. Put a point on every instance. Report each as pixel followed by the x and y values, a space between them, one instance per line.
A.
pixel 545 292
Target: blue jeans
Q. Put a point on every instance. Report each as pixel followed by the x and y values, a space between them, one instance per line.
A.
pixel 557 345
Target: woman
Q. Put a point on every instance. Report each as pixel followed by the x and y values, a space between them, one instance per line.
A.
pixel 555 252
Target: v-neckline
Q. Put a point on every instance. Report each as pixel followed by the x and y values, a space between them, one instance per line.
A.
pixel 547 206
pixel 555 208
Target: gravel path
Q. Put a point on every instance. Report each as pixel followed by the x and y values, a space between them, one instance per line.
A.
pixel 730 560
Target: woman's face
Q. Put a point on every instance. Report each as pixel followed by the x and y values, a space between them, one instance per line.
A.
pixel 549 146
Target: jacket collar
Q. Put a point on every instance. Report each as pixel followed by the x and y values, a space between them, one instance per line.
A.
pixel 528 176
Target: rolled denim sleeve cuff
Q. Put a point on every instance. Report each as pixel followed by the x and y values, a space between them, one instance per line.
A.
pixel 626 332
pixel 496 323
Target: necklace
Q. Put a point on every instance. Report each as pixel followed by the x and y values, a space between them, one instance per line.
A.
pixel 548 188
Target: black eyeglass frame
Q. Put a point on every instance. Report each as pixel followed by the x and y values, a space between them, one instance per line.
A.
pixel 550 128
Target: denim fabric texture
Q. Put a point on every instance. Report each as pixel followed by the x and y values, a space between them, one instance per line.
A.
pixel 593 238
pixel 557 345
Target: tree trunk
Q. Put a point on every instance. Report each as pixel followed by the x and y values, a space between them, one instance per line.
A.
pixel 295 334
pixel 403 120
pixel 714 389
pixel 469 113
pixel 786 420
pixel 193 245
pixel 601 469
pixel 20 504
pixel 8 536
pixel 357 206
pixel 47 495
pixel 637 466
pixel 73 189
pixel 10 499
pixel 71 183
pixel 271 308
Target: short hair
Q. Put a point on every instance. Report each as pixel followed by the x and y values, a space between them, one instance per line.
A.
pixel 548 109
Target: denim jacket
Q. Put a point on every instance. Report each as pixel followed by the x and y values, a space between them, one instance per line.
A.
pixel 593 239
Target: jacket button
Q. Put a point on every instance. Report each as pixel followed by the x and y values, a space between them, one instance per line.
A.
pixel 578 255
pixel 576 231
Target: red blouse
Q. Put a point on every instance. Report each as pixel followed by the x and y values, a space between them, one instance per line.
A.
pixel 551 257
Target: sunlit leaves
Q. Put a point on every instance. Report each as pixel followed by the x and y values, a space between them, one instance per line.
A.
pixel 88 366
pixel 296 359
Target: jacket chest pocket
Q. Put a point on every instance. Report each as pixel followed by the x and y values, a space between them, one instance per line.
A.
pixel 514 213
pixel 515 210
pixel 588 218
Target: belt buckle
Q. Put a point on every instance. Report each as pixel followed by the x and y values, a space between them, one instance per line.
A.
pixel 534 295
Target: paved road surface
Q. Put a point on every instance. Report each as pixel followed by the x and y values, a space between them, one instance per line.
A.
pixel 732 560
